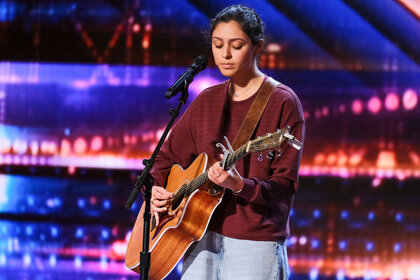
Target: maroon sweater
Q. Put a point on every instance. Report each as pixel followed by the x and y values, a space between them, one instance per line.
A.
pixel 261 210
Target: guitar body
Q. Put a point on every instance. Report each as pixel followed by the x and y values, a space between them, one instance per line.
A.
pixel 189 213
pixel 184 225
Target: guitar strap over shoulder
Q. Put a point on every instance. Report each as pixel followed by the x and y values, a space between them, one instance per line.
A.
pixel 255 112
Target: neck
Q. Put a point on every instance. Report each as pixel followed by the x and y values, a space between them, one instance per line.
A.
pixel 245 86
pixel 243 80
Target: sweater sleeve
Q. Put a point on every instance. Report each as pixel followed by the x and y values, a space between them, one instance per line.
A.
pixel 184 144
pixel 179 148
pixel 283 179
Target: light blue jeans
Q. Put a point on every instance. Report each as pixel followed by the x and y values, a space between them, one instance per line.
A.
pixel 217 257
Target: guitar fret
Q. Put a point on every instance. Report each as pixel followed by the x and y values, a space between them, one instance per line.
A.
pixel 203 178
pixel 197 182
pixel 235 156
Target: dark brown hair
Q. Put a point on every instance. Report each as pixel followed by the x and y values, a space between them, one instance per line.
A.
pixel 247 18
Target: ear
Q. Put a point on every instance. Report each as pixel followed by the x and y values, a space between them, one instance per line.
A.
pixel 260 46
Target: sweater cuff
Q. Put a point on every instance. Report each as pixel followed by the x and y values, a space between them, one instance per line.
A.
pixel 247 192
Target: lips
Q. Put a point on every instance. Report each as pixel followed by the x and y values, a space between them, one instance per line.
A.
pixel 226 65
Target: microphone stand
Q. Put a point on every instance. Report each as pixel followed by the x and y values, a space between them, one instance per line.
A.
pixel 146 180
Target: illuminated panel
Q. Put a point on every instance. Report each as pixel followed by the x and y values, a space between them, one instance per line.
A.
pixel 84 125
pixel 104 116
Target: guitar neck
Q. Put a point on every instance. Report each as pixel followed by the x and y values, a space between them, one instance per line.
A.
pixel 235 156
pixel 203 178
pixel 269 141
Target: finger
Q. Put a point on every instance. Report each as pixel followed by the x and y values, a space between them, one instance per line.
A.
pixel 155 189
pixel 156 203
pixel 162 197
pixel 221 156
pixel 159 209
pixel 218 170
pixel 211 174
pixel 217 165
pixel 159 203
pixel 161 190
pixel 214 173
pixel 156 217
pixel 162 193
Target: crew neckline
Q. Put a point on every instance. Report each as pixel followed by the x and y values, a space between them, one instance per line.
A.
pixel 252 97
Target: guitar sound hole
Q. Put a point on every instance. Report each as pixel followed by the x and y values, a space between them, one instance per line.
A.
pixel 177 201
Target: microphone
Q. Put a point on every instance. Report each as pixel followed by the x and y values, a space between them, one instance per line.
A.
pixel 198 65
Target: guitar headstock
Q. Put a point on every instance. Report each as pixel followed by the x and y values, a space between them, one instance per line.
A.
pixel 273 140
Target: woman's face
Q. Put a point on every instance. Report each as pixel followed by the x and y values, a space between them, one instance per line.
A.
pixel 233 51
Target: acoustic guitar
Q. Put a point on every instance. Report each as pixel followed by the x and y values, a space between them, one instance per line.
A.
pixel 189 211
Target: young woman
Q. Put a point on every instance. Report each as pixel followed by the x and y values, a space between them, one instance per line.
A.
pixel 246 237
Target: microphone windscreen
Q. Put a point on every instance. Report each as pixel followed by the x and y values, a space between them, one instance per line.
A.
pixel 200 62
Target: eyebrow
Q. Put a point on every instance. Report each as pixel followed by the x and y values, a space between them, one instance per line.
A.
pixel 230 40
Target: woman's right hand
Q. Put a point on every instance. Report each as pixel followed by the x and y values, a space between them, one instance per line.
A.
pixel 159 199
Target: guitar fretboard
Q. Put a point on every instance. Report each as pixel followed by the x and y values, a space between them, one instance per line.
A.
pixel 200 180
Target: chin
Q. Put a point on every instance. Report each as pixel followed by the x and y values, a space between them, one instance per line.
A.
pixel 227 73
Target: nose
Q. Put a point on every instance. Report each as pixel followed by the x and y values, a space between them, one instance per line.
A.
pixel 226 52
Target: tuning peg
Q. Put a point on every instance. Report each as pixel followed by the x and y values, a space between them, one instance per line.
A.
pixel 270 155
pixel 279 153
pixel 260 157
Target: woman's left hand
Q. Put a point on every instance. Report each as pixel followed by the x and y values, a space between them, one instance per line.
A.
pixel 228 179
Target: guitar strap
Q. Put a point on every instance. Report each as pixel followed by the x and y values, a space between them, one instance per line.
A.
pixel 255 112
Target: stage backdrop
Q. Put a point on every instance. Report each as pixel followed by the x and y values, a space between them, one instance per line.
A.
pixel 82 104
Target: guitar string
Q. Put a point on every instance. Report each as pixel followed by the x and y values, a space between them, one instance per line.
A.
pixel 189 188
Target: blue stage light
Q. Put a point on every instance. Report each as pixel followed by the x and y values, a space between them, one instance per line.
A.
pixel 344 214
pixel 341 274
pixel 317 213
pixel 27 259
pixel 29 230
pixel 81 203
pixel 30 200
pixel 50 203
pixel 107 204
pixel 57 202
pixel 103 262
pixel 342 245
pixel 52 260
pixel 315 244
pixel 292 240
pixel 79 233
pixel 397 247
pixel 313 274
pixel 78 261
pixel 105 234
pixel 370 246
pixel 3 260
pixel 54 231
